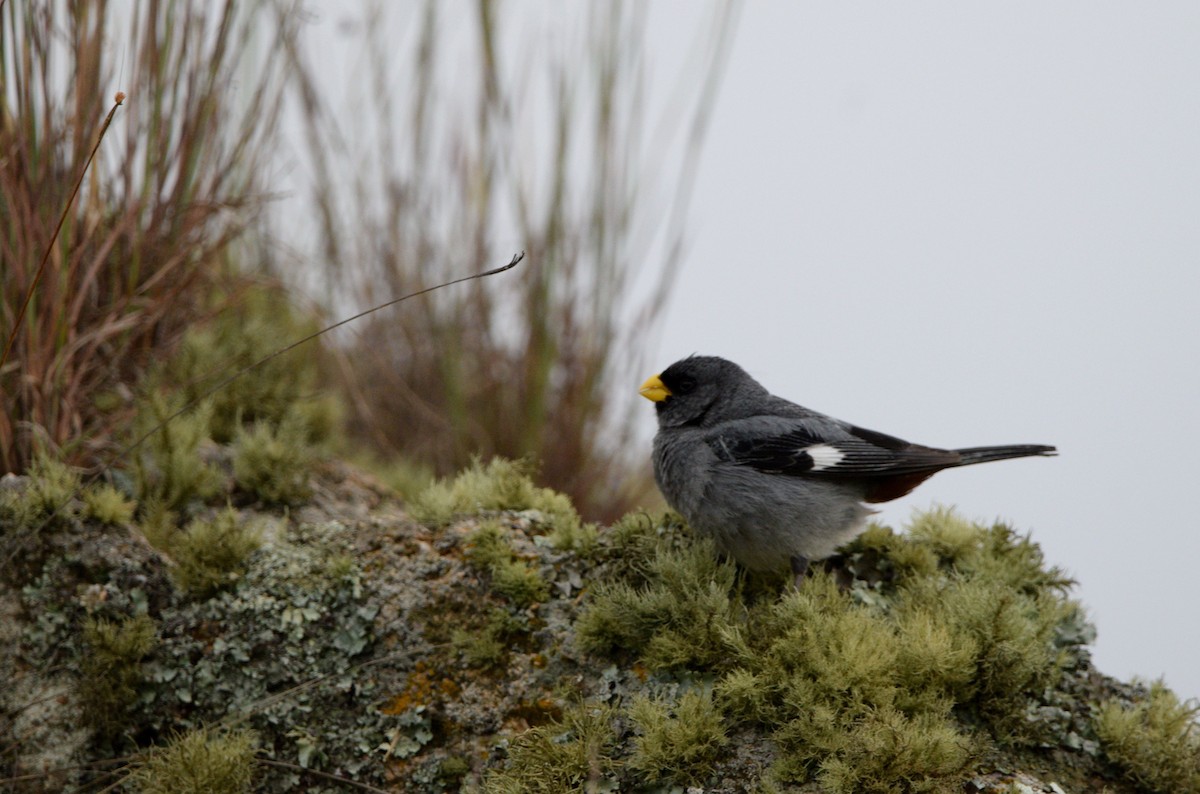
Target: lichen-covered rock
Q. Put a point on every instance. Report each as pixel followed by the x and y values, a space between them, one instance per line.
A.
pixel 504 645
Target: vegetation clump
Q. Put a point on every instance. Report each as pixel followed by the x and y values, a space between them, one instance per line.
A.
pixel 201 761
pixel 488 646
pixel 168 467
pixel 680 614
pixel 49 492
pixel 866 686
pixel 272 461
pixel 108 505
pixel 1155 742
pixel 111 670
pixel 677 741
pixel 496 485
pixel 253 324
pixel 568 755
pixel 212 553
pixel 514 579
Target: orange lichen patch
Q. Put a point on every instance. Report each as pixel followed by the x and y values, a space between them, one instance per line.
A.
pixel 538 660
pixel 640 671
pixel 532 713
pixel 424 687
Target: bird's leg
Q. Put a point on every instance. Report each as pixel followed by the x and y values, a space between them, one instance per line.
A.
pixel 799 569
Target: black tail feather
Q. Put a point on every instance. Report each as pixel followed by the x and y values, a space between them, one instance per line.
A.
pixel 973 455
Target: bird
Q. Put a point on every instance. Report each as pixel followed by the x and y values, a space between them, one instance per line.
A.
pixel 773 482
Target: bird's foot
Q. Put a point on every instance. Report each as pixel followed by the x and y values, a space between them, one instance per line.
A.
pixel 799 570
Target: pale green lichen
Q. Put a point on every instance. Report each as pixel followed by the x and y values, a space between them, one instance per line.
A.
pixel 1155 742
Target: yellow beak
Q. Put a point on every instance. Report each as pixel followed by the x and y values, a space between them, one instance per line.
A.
pixel 654 390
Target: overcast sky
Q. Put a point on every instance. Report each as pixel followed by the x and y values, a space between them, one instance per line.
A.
pixel 965 224
pixel 971 224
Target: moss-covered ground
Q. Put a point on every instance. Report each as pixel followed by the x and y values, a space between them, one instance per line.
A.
pixel 500 644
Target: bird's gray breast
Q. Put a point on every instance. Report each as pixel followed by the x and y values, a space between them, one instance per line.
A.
pixel 682 468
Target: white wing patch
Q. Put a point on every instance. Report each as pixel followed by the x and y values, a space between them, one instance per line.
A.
pixel 824 456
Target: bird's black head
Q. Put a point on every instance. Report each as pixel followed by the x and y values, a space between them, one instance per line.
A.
pixel 699 391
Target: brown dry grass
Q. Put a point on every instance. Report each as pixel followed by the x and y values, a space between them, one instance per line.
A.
pixel 169 193
pixel 593 187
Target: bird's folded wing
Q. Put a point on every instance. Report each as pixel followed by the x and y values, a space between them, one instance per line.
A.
pixel 825 449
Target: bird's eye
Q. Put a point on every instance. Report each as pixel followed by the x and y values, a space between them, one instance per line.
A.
pixel 684 385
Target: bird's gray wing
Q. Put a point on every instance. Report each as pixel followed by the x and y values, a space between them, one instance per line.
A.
pixel 823 447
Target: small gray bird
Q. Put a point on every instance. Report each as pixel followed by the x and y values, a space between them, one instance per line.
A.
pixel 771 481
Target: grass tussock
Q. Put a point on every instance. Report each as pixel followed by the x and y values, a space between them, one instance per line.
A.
pixel 1155 742
pixel 163 204
pixel 202 761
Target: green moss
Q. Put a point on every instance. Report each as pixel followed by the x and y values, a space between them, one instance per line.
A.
pixel 405 476
pixel 111 670
pixel 50 491
pixel 832 680
pixel 212 553
pixel 1156 742
pixel 106 504
pixel 684 614
pixel 520 583
pixel 564 756
pixel 497 485
pixel 888 752
pixel 168 467
pixel 203 761
pixel 488 647
pixel 272 461
pixel 258 323
pixel 517 581
pixel 582 539
pixel 677 742
pixel 1008 638
pixel 453 769
pixel 996 553
pixel 865 688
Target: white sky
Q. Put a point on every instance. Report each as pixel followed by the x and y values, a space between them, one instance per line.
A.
pixel 967 224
